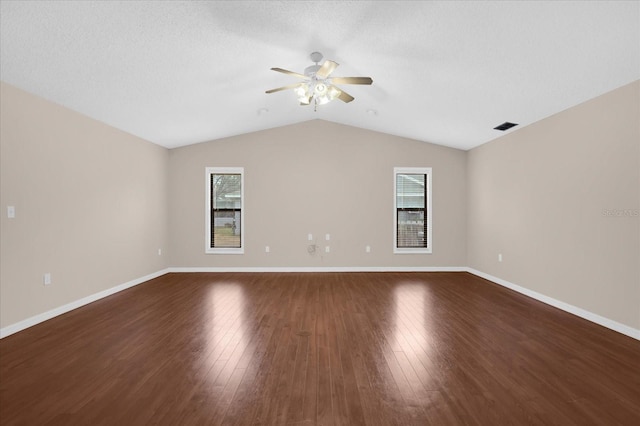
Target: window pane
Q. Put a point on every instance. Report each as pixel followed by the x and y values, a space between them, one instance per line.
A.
pixel 411 228
pixel 226 191
pixel 226 228
pixel 410 191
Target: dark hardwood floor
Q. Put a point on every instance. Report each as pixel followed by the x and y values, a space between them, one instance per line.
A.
pixel 319 349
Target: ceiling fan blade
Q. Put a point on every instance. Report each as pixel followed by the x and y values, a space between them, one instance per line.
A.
pixel 291 86
pixel 345 97
pixel 295 74
pixel 351 80
pixel 326 69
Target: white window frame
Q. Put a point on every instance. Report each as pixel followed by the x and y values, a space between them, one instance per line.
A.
pixel 428 210
pixel 217 171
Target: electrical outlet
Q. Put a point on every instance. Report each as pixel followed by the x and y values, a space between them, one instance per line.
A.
pixel 327 237
pixel 159 252
pixel 267 249
pixel 500 257
pixel 367 249
pixel 310 237
pixel 327 249
pixel 46 279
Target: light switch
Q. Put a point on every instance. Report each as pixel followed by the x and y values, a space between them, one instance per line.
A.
pixel 310 237
pixel 11 212
pixel 327 237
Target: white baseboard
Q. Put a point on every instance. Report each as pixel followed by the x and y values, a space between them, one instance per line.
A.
pixel 321 269
pixel 36 319
pixel 590 316
pixel 605 322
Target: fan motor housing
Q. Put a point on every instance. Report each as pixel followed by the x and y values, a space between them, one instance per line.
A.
pixel 311 71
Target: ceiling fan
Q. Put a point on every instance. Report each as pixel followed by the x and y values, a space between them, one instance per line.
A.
pixel 317 85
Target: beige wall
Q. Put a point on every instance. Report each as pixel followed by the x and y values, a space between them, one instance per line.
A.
pixel 91 206
pixel 94 204
pixel 317 177
pixel 538 195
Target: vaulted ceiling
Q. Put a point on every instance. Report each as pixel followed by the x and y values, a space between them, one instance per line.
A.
pixel 177 73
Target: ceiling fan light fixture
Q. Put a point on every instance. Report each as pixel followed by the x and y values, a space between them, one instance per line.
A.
pixel 324 99
pixel 301 90
pixel 320 89
pixel 323 94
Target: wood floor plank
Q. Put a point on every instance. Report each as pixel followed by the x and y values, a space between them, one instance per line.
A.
pixel 310 391
pixel 324 411
pixel 319 349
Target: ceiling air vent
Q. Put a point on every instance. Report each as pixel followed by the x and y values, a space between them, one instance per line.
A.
pixel 505 126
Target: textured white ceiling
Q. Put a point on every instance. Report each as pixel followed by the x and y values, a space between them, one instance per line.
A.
pixel 177 73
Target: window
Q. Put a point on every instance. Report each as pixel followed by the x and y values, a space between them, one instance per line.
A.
pixel 412 210
pixel 225 213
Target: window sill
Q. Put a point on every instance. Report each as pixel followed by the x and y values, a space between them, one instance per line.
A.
pixel 224 251
pixel 412 250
